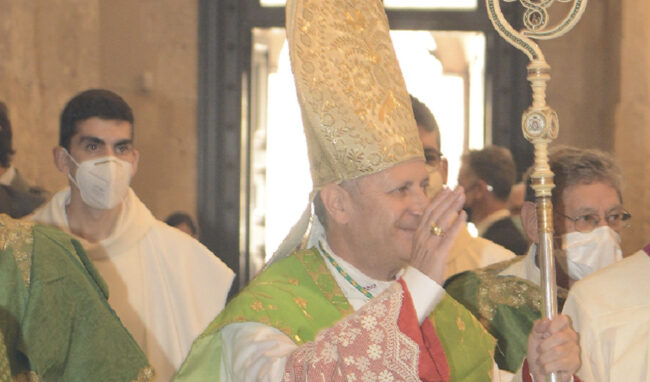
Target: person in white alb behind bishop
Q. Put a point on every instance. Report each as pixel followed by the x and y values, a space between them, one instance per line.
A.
pixel 164 285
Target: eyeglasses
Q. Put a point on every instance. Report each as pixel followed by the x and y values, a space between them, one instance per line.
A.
pixel 588 222
pixel 433 157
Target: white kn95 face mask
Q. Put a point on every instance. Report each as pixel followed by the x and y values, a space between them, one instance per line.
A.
pixel 103 182
pixel 584 253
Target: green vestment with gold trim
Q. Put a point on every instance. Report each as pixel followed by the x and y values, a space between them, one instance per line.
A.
pixel 506 305
pixel 299 296
pixel 55 321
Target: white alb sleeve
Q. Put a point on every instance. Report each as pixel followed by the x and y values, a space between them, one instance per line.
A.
pixel 425 292
pixel 253 352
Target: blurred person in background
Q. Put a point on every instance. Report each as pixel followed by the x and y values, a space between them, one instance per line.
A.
pixel 184 222
pixel 467 252
pixel 17 197
pixel 487 175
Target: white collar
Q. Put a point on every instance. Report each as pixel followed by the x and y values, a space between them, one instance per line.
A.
pixel 8 176
pixel 525 269
pixel 355 297
pixel 134 222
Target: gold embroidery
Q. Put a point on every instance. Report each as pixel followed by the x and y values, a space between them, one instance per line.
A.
pixel 387 107
pixel 277 284
pixel 513 291
pixel 301 302
pixel 315 266
pixel 257 306
pixel 460 324
pixel 356 110
pixel 145 375
pixel 17 235
pixel 28 376
pixel 5 368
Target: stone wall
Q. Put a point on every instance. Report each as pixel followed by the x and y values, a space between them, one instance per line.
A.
pixel 585 75
pixel 147 51
pixel 632 135
pixel 144 50
pixel 600 88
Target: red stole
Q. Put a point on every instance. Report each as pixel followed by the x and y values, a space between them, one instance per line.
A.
pixel 432 365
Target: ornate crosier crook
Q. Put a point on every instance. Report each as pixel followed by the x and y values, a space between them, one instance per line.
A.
pixel 539 122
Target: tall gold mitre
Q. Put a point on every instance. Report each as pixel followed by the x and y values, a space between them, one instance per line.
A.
pixel 356 111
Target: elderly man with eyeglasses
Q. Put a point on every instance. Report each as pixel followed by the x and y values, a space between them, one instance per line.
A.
pixel 611 309
pixel 588 218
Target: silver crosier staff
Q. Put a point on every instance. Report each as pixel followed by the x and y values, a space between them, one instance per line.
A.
pixel 539 122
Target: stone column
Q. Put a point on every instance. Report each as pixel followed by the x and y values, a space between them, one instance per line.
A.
pixel 632 133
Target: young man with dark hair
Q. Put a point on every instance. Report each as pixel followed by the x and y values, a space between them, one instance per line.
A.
pixel 164 285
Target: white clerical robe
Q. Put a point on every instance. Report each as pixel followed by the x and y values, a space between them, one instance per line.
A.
pixel 163 284
pixel 254 352
pixel 526 268
pixel 470 252
pixel 610 310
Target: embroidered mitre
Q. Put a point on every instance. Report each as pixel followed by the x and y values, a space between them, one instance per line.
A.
pixel 356 111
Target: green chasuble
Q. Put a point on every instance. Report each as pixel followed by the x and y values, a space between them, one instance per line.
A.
pixel 299 296
pixel 55 321
pixel 506 305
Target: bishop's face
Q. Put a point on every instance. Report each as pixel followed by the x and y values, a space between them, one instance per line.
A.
pixel 388 207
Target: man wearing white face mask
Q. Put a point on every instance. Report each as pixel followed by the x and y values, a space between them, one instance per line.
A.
pixel 163 284
pixel 467 252
pixel 588 217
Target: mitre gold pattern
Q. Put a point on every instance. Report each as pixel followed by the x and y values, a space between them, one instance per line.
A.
pixel 356 111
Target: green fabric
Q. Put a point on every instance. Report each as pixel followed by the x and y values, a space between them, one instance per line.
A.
pixel 54 316
pixel 5 368
pixel 299 296
pixel 294 296
pixel 469 349
pixel 507 306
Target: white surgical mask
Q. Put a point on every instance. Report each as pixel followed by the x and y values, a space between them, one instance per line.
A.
pixel 585 253
pixel 103 182
pixel 435 182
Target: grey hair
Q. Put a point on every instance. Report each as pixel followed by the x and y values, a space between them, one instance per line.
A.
pixel 350 185
pixel 572 165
